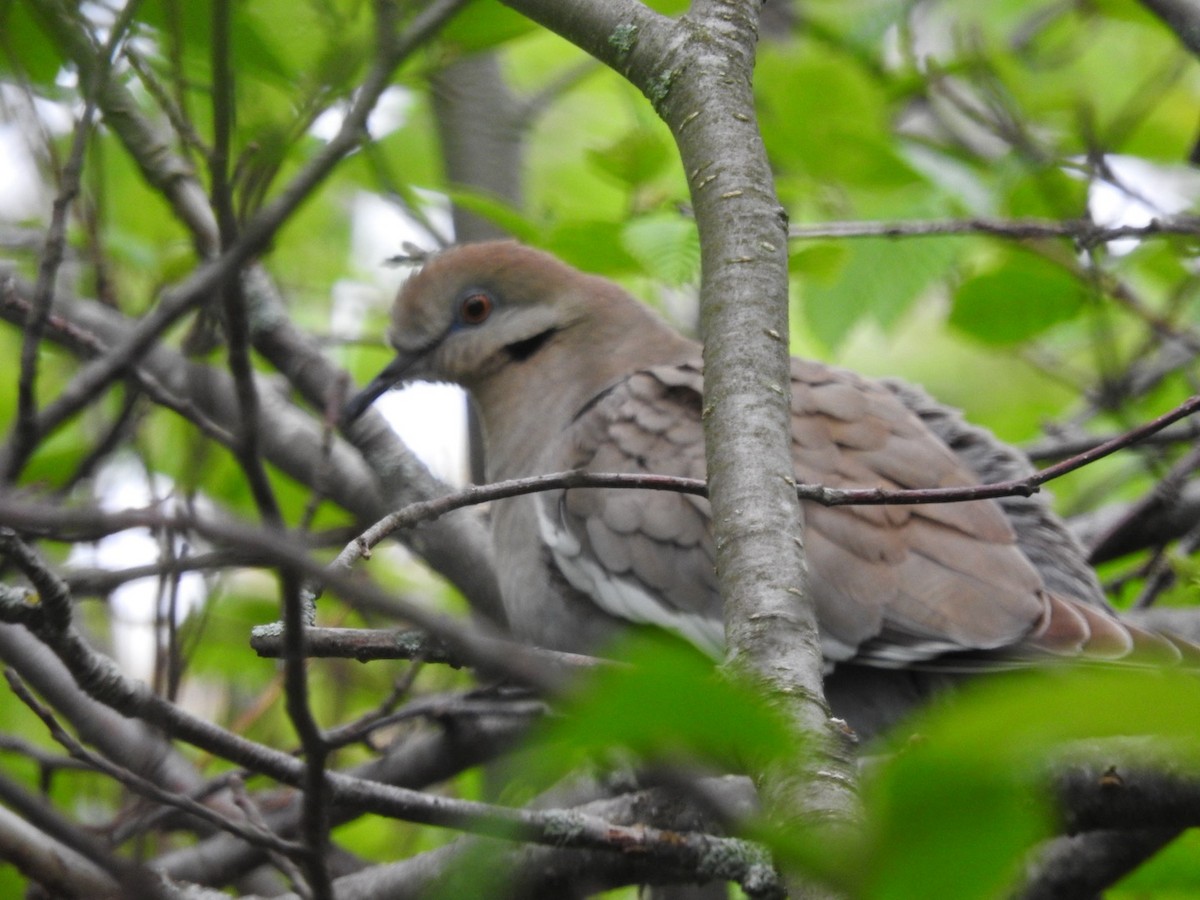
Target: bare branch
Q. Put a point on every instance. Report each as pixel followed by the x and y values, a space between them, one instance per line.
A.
pixel 1083 232
pixel 136 783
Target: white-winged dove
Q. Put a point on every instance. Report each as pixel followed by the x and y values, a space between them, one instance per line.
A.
pixel 570 372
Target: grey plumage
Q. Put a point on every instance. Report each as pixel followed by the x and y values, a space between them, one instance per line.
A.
pixel 569 372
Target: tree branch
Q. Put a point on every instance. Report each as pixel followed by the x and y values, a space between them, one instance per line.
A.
pixel 697 72
pixel 1083 232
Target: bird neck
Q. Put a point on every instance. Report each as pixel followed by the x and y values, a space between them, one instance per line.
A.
pixel 525 406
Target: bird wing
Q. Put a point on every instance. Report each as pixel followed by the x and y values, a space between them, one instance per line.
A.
pixel 893 584
pixel 896 584
pixel 644 556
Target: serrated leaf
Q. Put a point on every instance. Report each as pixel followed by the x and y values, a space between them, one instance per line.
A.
pixel 667 246
pixel 878 281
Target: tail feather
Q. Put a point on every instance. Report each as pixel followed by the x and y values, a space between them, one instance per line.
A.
pixel 1071 628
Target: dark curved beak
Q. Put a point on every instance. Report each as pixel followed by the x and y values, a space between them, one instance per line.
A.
pixel 380 384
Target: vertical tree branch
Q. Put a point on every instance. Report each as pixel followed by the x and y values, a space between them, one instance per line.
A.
pixel 698 73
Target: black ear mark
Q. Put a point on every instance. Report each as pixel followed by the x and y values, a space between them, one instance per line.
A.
pixel 522 350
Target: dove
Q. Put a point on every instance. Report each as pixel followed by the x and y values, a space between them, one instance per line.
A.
pixel 570 372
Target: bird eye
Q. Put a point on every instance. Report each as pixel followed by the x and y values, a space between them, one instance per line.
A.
pixel 475 308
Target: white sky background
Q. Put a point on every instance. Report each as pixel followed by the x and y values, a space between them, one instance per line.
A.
pixel 429 418
pixel 1139 192
pixel 122 483
pixel 20 191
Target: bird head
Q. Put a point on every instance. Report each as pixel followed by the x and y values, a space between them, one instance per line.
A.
pixel 502 320
pixel 473 310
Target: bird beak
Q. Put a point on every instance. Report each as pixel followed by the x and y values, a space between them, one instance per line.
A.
pixel 380 384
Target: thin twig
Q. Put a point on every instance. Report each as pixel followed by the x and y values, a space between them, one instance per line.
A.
pixel 730 858
pixel 431 509
pixel 256 234
pixel 1083 232
pixel 139 785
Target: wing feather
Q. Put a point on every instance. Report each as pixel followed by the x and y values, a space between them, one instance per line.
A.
pixel 893 585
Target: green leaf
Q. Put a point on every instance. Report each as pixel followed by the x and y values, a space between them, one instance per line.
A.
pixel 252 43
pixel 879 280
pixel 1173 874
pixel 485 24
pixel 596 247
pixel 1009 719
pixel 1040 191
pixel 496 210
pixel 667 245
pixel 948 828
pixel 634 158
pixel 650 706
pixel 823 116
pixel 325 44
pixel 26 45
pixel 953 812
pixel 215 636
pixel 1016 302
pixel 821 261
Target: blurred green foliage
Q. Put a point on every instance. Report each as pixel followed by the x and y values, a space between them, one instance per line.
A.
pixel 870 109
